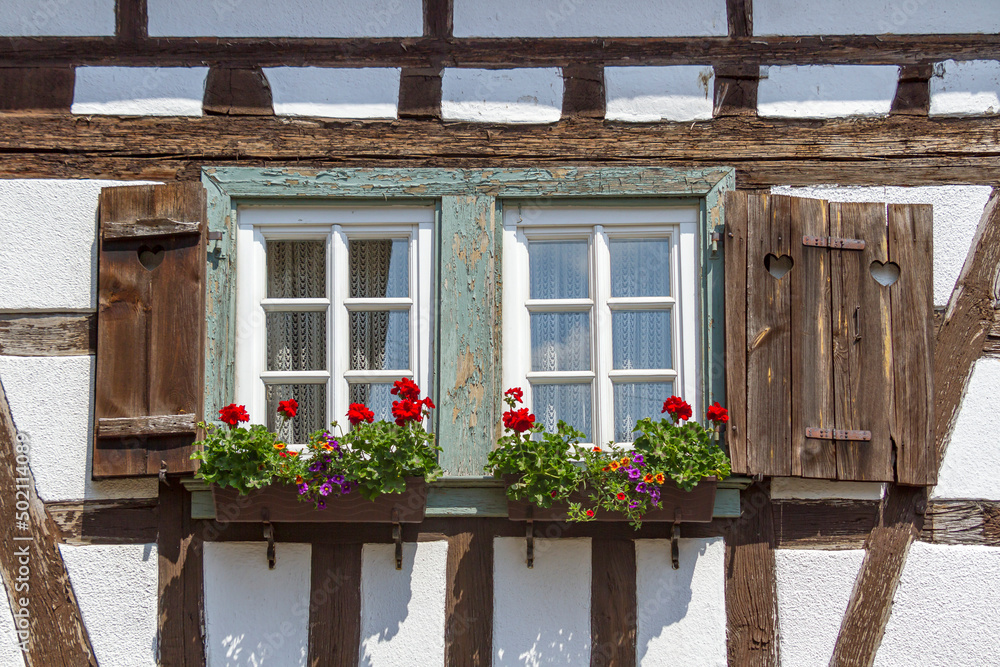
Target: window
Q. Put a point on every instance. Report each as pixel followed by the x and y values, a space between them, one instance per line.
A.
pixel 600 313
pixel 333 305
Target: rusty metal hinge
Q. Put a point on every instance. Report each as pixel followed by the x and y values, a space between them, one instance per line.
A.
pixel 833 242
pixel 837 434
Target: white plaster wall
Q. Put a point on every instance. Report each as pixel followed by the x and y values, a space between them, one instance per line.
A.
pixel 402 611
pixel 965 88
pixel 116 588
pixel 51 400
pixel 10 651
pixel 139 91
pixel 826 91
pixel 291 18
pixel 849 17
pixel 57 17
pixel 530 95
pixel 255 616
pixel 957 211
pixel 818 489
pixel 48 257
pixel 814 588
pixel 971 466
pixel 647 94
pixel 946 608
pixel 589 18
pixel 369 92
pixel 541 616
pixel 681 618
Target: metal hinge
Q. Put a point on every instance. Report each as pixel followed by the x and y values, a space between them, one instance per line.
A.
pixel 837 434
pixel 833 242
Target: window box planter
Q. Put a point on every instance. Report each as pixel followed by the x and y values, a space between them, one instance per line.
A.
pixel 280 502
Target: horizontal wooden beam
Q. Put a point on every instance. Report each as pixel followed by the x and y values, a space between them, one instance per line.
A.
pixel 512 51
pixel 47 334
pixel 118 427
pixel 823 524
pixel 121 521
pixel 962 522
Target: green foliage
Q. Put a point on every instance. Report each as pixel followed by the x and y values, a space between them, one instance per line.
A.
pixel 545 468
pixel 686 453
pixel 243 458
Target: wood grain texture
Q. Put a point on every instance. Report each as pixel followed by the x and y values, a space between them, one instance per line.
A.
pixel 913 92
pixel 131 20
pixel 335 605
pixel 114 231
pixel 735 253
pixel 468 640
pixel 438 18
pixel 125 521
pixel 962 522
pixel 180 552
pixel 736 90
pixel 420 93
pixel 613 613
pixel 135 426
pixel 912 303
pixel 739 17
pixel 36 89
pixel 237 91
pixel 899 522
pixel 48 334
pixel 583 91
pixel 48 600
pixel 751 584
pixel 823 524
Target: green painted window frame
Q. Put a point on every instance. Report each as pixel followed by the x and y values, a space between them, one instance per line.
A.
pixel 468 238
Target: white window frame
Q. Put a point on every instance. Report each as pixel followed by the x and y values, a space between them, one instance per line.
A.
pixel 337 225
pixel 598 224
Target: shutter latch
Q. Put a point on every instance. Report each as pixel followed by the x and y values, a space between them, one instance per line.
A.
pixel 833 242
pixel 837 434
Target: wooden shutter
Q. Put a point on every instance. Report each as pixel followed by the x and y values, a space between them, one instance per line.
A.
pixel 826 345
pixel 150 328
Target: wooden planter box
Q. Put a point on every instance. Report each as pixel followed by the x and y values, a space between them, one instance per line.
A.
pixel 281 503
pixel 695 506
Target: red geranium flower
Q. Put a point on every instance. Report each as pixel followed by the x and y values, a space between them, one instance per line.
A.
pixel 428 402
pixel 232 413
pixel 407 411
pixel 359 412
pixel 621 496
pixel 288 408
pixel 677 407
pixel 518 420
pixel 717 413
pixel 406 388
pixel 516 393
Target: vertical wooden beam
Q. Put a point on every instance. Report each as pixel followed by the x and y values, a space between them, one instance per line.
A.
pixel 34 575
pixel 36 89
pixel 469 305
pixel 438 18
pixel 736 90
pixel 583 91
pixel 181 596
pixel 735 253
pixel 739 16
pixel 913 95
pixel 469 595
pixel 420 93
pixel 335 605
pixel 131 20
pixel 751 583
pixel 612 603
pixel 237 91
pixel 900 521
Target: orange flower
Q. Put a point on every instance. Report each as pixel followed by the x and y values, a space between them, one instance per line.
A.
pixel 606 468
pixel 647 478
pixel 660 478
pixel 625 461
pixel 280 445
pixel 597 449
pixel 291 453
pixel 614 465
pixel 298 479
pixel 327 447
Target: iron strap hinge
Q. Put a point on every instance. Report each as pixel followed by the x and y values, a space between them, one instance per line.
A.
pixel 837 434
pixel 833 242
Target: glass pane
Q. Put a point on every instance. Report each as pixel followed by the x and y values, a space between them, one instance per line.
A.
pixel 376 397
pixel 636 400
pixel 640 268
pixel 380 340
pixel 568 402
pixel 296 341
pixel 558 269
pixel 641 339
pixel 310 417
pixel 560 341
pixel 296 269
pixel 379 268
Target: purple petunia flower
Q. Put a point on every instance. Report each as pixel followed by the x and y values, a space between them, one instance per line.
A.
pixel 346 487
pixel 641 487
pixel 320 504
pixel 632 505
pixel 337 479
pixel 303 488
pixel 315 467
pixel 634 473
pixel 325 489
pixel 638 460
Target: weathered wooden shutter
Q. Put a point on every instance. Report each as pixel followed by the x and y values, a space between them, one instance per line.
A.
pixel 150 328
pixel 829 348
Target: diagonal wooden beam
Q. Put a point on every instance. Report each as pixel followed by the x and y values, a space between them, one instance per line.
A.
pixel 46 614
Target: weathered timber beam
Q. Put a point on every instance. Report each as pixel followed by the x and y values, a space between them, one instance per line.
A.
pixel 335 605
pixel 962 522
pixel 823 524
pixel 47 334
pixel 123 521
pixel 468 638
pixel 513 51
pixel 181 574
pixel 29 541
pixel 992 344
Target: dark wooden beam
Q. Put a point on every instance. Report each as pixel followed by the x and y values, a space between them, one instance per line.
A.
pixel 739 16
pixel 900 521
pixel 736 90
pixel 237 91
pixel 439 18
pixel 468 640
pixel 54 633
pixel 47 334
pixel 37 89
pixel 181 593
pixel 420 93
pixel 612 603
pixel 122 521
pixel 823 524
pixel 583 91
pixel 962 522
pixel 335 605
pixel 751 583
pixel 131 20
pixel 913 93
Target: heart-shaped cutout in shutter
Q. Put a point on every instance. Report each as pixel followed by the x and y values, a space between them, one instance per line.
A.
pixel 150 258
pixel 884 274
pixel 778 266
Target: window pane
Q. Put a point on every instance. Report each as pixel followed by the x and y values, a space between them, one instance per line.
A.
pixel 640 268
pixel 296 341
pixel 568 402
pixel 380 268
pixel 380 340
pixel 376 397
pixel 635 400
pixel 560 341
pixel 296 269
pixel 641 339
pixel 311 415
pixel 558 269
